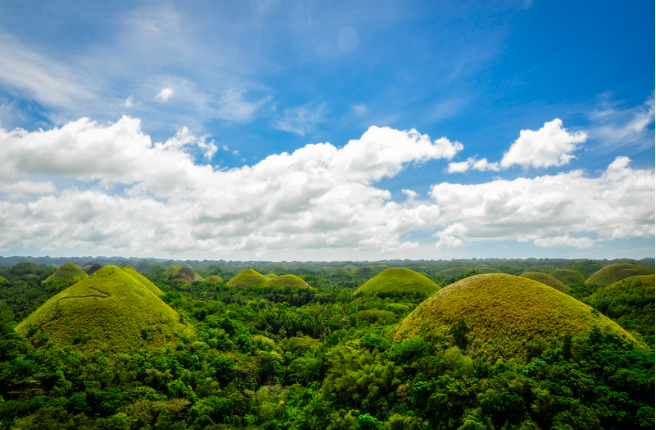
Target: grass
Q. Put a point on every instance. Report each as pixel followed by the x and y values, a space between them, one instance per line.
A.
pixel 503 314
pixel 399 280
pixel 453 272
pixel 108 310
pixel 547 280
pixel 68 271
pixel 213 279
pixel 252 278
pixel 141 278
pixel 568 276
pixel 616 272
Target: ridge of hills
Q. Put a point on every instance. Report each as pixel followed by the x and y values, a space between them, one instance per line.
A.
pixel 499 314
pixel 252 278
pixel 616 272
pixel 111 308
pixel 68 271
pixel 547 280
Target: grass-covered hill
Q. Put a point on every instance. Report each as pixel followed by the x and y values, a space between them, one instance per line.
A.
pixel 141 278
pixel 629 302
pixel 399 280
pixel 252 278
pixel 547 280
pixel 68 271
pixel 287 281
pixel 496 315
pixel 109 309
pixel 616 272
pixel 183 273
pixel 568 276
pixel 454 272
pixel 248 278
pixel 213 279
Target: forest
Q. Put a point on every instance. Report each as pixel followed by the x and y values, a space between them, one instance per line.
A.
pixel 293 345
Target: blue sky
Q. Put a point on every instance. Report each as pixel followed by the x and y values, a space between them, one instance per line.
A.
pixel 284 130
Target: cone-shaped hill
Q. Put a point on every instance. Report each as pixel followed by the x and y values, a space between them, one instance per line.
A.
pixel 184 273
pixel 399 280
pixel 141 278
pixel 547 280
pixel 568 277
pixel 68 271
pixel 109 308
pixel 502 313
pixel 252 278
pixel 247 278
pixel 616 272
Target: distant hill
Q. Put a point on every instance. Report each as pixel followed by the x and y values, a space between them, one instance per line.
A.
pixel 616 272
pixel 213 279
pixel 184 273
pixel 454 272
pixel 400 280
pixel 568 277
pixel 252 278
pixel 68 271
pixel 496 315
pixel 547 280
pixel 630 303
pixel 109 309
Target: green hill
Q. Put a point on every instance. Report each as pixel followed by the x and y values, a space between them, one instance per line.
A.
pixel 287 281
pixel 495 315
pixel 616 272
pixel 487 268
pixel 630 303
pixel 110 309
pixel 400 280
pixel 141 278
pixel 251 278
pixel 185 273
pixel 213 279
pixel 568 277
pixel 247 278
pixel 453 272
pixel 68 271
pixel 547 280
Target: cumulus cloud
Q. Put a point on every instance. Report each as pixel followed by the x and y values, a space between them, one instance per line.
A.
pixel 125 193
pixel 547 210
pixel 552 145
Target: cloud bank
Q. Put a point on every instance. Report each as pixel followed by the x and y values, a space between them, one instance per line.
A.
pixel 109 188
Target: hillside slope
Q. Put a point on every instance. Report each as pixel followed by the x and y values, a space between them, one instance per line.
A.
pixel 400 280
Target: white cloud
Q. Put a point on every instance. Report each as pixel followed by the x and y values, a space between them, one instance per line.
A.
pixel 128 103
pixel 126 194
pixel 233 107
pixel 164 95
pixel 472 163
pixel 36 77
pixel 564 242
pixel 552 145
pixel 359 109
pixel 618 204
pixel 629 128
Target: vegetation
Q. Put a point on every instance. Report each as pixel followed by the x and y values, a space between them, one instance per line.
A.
pixel 454 271
pixel 502 313
pixel 322 358
pixel 248 278
pixel 630 303
pixel 145 281
pixel 69 272
pixel 616 272
pixel 568 276
pixel 110 307
pixel 399 280
pixel 547 280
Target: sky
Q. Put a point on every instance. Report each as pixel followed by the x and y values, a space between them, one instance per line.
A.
pixel 341 130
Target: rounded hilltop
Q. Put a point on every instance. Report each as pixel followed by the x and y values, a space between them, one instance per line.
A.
pixel 110 309
pixel 616 272
pixel 496 315
pixel 547 280
pixel 252 278
pixel 399 280
pixel 68 271
pixel 568 276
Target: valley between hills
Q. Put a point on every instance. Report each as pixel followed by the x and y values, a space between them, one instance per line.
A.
pixel 114 343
